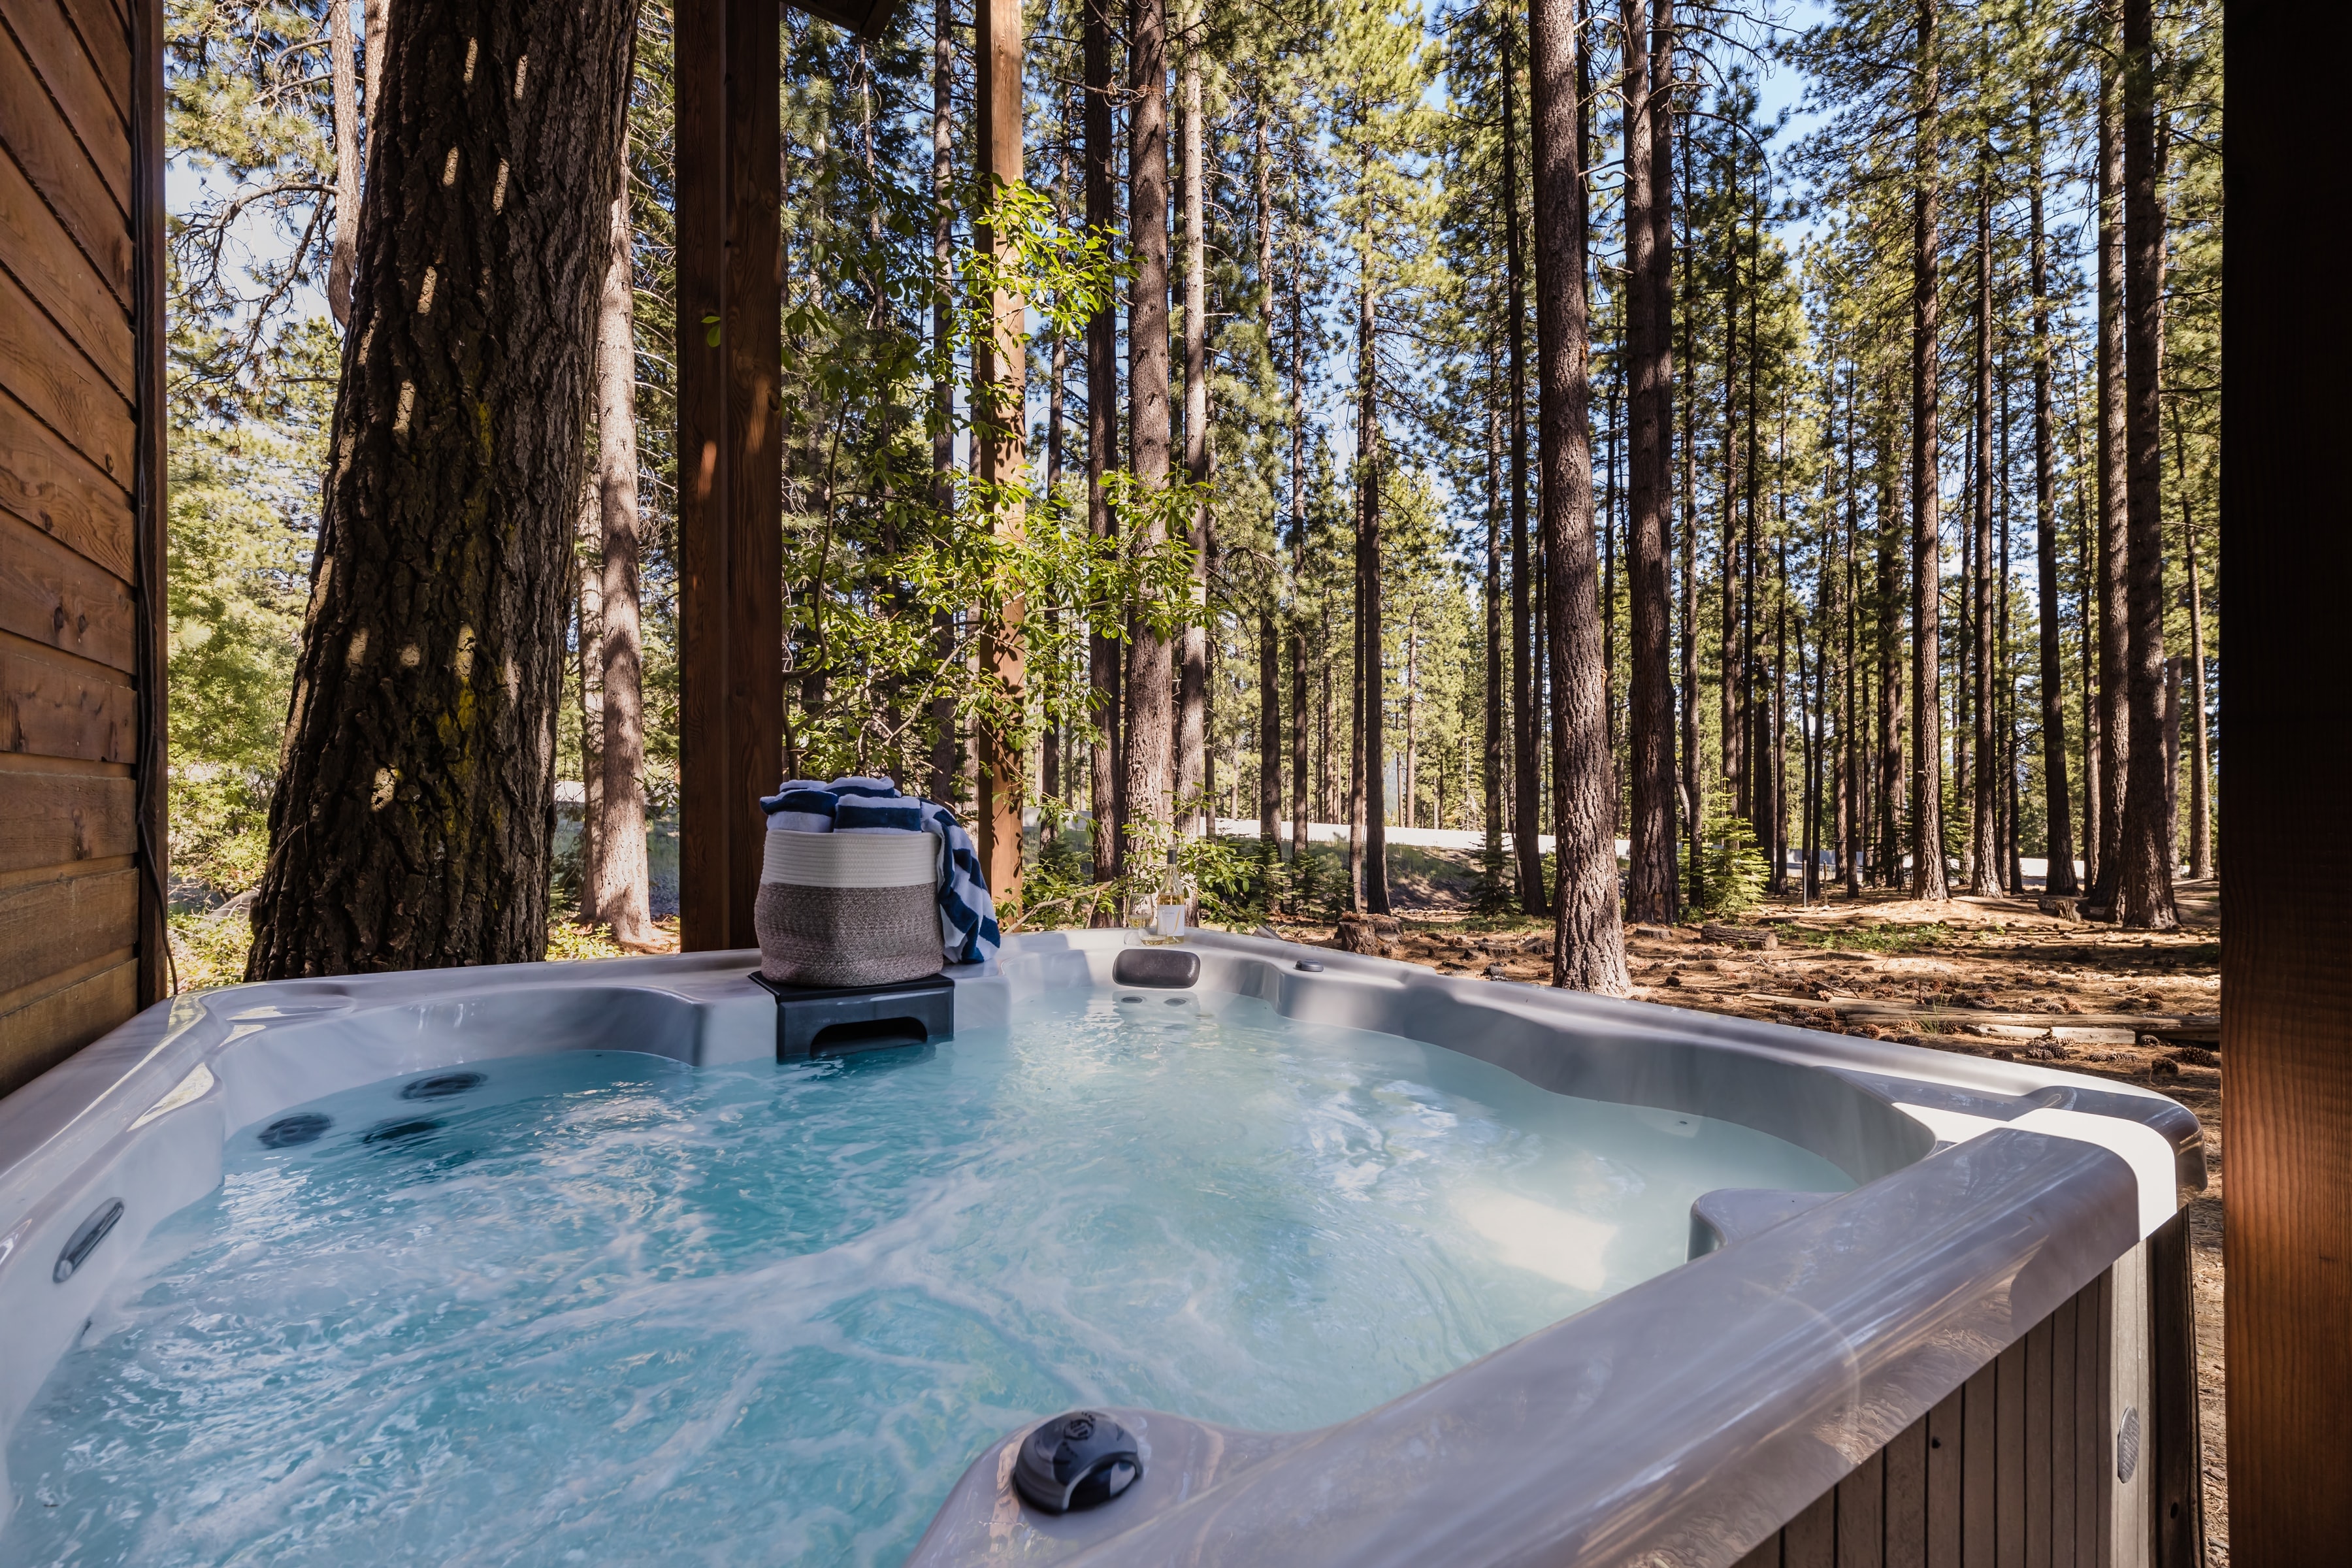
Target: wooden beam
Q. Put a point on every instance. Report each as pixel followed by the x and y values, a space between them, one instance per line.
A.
pixel 151 514
pixel 730 458
pixel 1000 436
pixel 2286 555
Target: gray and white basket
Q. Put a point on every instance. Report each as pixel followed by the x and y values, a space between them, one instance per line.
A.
pixel 848 908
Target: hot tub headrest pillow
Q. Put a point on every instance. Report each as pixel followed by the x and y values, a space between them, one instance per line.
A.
pixel 968 933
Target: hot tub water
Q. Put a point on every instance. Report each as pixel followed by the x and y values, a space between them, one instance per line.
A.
pixel 600 1308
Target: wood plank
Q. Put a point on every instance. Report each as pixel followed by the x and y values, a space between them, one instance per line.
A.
pixel 55 819
pixel 73 974
pixel 1862 1515
pixel 60 492
pixel 1979 1434
pixel 44 370
pixel 2094 1467
pixel 2065 1435
pixel 51 44
pixel 38 1036
pixel 52 709
pixel 1946 1429
pixel 107 40
pixel 59 277
pixel 1906 1497
pixel 52 595
pixel 2286 553
pixel 2008 1456
pixel 2037 1458
pixel 48 927
pixel 1809 1539
pixel 1765 1555
pixel 55 162
pixel 2177 1478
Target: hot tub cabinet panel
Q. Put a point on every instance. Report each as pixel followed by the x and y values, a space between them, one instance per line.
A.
pixel 1979 1354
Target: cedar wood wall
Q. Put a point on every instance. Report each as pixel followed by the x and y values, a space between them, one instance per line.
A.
pixel 81 561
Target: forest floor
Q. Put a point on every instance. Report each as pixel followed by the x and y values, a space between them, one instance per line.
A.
pixel 1992 977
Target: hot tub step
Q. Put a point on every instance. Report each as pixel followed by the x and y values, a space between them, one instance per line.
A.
pixel 819 1021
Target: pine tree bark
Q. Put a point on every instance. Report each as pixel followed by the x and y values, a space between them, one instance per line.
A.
pixel 1149 809
pixel 1927 873
pixel 1371 678
pixel 1104 777
pixel 2114 548
pixel 1299 720
pixel 1693 801
pixel 621 879
pixel 345 85
pixel 2057 807
pixel 1490 759
pixel 411 823
pixel 1651 881
pixel 1984 832
pixel 1893 803
pixel 2200 776
pixel 1192 678
pixel 2145 852
pixel 946 757
pixel 1588 938
pixel 1525 792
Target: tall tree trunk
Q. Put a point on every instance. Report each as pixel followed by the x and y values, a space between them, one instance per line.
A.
pixel 1894 802
pixel 1525 791
pixel 1852 835
pixel 1149 661
pixel 1104 778
pixel 411 823
pixel 1372 677
pixel 2057 807
pixel 2200 810
pixel 1693 804
pixel 1651 882
pixel 1490 759
pixel 1730 671
pixel 1589 940
pixel 621 882
pixel 376 22
pixel 2144 881
pixel 588 594
pixel 1984 832
pixel 1298 732
pixel 341 74
pixel 1193 677
pixel 2115 547
pixel 1928 874
pixel 946 757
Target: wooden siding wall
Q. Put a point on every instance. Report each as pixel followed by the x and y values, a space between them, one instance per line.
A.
pixel 81 626
pixel 2020 1465
pixel 2010 1469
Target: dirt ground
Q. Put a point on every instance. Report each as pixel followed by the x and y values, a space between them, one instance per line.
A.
pixel 1984 976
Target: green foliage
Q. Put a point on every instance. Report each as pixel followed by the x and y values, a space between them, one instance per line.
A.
pixel 1734 867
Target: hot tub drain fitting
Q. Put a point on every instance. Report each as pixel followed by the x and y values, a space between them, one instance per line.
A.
pixel 1079 1460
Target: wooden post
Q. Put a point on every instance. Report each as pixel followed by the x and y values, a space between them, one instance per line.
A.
pixel 2287 553
pixel 150 505
pixel 729 458
pixel 999 436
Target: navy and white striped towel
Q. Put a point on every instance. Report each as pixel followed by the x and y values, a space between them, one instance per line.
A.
pixel 968 933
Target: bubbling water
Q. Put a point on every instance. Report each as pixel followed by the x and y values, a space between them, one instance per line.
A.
pixel 601 1307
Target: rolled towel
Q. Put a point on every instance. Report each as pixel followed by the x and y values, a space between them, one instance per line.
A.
pixel 801 806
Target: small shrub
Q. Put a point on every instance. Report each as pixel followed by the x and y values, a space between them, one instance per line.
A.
pixel 1732 866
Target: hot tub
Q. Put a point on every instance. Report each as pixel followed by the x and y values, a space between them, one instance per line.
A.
pixel 561 1263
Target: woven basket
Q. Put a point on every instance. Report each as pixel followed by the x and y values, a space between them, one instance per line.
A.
pixel 848 908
